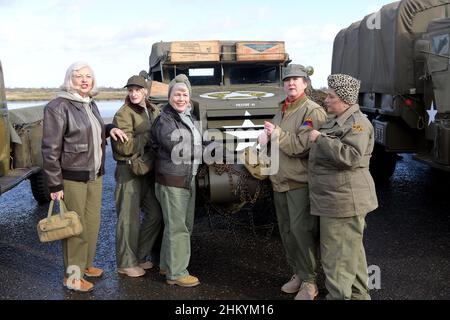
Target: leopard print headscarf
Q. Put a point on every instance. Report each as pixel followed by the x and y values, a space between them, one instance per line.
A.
pixel 346 87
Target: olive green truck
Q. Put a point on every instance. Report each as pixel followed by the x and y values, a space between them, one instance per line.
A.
pixel 20 147
pixel 401 55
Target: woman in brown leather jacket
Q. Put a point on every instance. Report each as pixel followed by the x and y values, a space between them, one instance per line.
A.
pixel 73 149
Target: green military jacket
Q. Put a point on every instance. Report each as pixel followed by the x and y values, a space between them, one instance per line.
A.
pixel 291 136
pixel 340 183
pixel 134 121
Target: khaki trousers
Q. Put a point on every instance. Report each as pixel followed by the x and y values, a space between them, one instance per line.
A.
pixel 343 258
pixel 135 240
pixel 84 198
pixel 298 231
pixel 178 207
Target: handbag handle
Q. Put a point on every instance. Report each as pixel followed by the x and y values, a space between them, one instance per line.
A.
pixel 62 208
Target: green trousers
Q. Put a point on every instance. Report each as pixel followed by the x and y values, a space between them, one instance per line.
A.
pixel 178 207
pixel 298 231
pixel 84 198
pixel 344 258
pixel 135 239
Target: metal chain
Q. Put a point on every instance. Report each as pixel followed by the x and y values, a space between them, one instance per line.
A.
pixel 241 187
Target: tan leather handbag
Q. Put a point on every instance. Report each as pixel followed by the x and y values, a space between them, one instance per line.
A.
pixel 255 162
pixel 62 225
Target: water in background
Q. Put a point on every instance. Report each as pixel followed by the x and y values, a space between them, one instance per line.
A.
pixel 107 108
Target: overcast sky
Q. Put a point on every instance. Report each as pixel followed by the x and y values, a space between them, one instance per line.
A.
pixel 40 39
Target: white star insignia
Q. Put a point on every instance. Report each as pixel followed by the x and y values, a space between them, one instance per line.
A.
pixel 250 134
pixel 432 114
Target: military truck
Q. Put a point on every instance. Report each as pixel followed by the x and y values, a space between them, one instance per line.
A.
pixel 401 55
pixel 20 147
pixel 236 87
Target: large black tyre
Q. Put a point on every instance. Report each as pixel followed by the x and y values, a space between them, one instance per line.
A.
pixel 39 188
pixel 382 164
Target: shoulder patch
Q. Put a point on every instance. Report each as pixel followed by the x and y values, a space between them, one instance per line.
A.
pixel 308 123
pixel 357 127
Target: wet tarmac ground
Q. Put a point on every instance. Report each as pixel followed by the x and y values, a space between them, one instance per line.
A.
pixel 407 240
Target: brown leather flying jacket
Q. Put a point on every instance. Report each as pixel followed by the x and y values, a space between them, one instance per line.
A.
pixel 67 146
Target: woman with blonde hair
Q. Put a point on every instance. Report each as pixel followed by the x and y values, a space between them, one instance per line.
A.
pixel 73 149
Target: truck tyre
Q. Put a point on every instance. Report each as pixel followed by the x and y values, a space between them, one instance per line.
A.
pixel 39 188
pixel 382 164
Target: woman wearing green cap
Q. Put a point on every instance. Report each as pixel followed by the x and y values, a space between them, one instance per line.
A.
pixel 294 120
pixel 342 190
pixel 135 191
pixel 177 143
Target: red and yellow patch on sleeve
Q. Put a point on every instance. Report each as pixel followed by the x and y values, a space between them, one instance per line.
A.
pixel 308 123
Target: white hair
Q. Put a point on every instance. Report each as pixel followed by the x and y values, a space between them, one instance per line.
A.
pixel 68 83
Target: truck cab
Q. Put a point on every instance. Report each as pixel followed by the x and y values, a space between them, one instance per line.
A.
pixel 20 147
pixel 236 86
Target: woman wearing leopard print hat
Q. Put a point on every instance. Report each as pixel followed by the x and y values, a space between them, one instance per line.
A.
pixel 342 190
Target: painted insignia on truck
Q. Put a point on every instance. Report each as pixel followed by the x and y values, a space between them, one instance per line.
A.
pixel 236 95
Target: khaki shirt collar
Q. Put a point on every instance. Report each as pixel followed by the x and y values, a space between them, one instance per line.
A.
pixel 344 117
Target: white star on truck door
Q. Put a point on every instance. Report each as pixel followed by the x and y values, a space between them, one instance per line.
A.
pixel 251 134
pixel 432 114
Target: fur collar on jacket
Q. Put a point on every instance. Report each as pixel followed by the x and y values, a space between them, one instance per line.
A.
pixel 137 108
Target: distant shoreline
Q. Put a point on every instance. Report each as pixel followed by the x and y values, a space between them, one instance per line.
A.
pixel 37 94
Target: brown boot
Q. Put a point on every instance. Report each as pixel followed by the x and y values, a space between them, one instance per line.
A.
pixel 79 285
pixel 93 272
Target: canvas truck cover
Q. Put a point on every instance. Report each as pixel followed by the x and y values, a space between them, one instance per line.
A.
pixel 26 115
pixel 159 53
pixel 438 36
pixel 346 51
pixel 383 58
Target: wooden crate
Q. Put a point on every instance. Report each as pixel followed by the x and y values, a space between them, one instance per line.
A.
pixel 260 51
pixel 159 89
pixel 195 51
